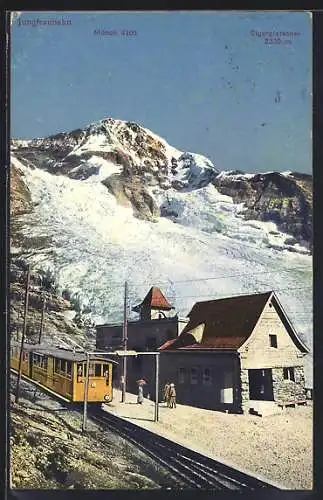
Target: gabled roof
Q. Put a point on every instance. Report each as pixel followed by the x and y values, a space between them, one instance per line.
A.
pixel 227 323
pixel 155 299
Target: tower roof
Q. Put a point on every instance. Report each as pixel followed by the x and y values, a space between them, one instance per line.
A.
pixel 155 299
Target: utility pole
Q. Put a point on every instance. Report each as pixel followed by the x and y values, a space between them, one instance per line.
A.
pixel 86 390
pixel 156 387
pixel 42 318
pixel 23 333
pixel 124 339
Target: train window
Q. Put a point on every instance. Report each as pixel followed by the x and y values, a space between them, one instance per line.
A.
pixel 69 368
pixel 63 366
pixel 91 370
pixel 57 365
pixel 25 356
pixel 106 373
pixel 44 362
pixel 98 369
pixel 79 372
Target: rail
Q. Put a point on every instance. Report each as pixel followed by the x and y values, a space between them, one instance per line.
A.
pixel 194 469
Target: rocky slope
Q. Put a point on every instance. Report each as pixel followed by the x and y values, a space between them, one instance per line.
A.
pixel 49 451
pixel 61 321
pixel 285 199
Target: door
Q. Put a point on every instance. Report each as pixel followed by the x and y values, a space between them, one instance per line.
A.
pixel 261 385
pixel 226 393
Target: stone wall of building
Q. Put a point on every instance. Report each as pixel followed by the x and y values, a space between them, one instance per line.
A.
pixel 244 390
pixel 289 390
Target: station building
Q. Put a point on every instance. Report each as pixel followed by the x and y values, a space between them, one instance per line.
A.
pixel 229 354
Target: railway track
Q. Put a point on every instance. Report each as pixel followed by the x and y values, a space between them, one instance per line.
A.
pixel 192 468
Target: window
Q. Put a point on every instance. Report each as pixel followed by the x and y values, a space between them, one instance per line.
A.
pixel 91 370
pixel 207 379
pixel 63 366
pixel 193 377
pixel 181 376
pixel 79 372
pixel 44 362
pixel 57 365
pixel 39 360
pixel 25 356
pixel 106 373
pixel 98 369
pixel 289 374
pixel 273 340
pixel 69 368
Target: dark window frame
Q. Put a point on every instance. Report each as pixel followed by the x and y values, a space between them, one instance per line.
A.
pixel 44 362
pixel 273 340
pixel 63 366
pixel 79 376
pixel 106 373
pixel 69 369
pixel 195 370
pixel 207 378
pixel 289 373
pixel 96 366
pixel 181 375
pixel 57 365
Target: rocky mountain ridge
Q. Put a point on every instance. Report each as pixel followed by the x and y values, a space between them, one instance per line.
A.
pixel 285 199
pixel 131 159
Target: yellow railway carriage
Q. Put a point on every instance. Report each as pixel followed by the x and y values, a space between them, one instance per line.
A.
pixel 64 372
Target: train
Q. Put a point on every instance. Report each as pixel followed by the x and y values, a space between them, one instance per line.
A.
pixel 63 372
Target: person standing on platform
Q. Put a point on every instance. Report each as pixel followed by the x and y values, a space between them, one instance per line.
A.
pixel 140 397
pixel 172 396
pixel 166 393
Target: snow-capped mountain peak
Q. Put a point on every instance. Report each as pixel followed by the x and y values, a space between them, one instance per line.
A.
pixel 124 144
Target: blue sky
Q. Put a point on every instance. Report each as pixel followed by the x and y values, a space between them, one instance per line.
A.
pixel 201 80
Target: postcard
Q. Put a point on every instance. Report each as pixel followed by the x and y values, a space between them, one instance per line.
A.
pixel 160 329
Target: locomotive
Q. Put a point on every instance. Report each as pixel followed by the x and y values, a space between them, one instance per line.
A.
pixel 63 372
